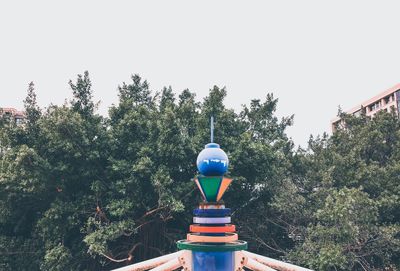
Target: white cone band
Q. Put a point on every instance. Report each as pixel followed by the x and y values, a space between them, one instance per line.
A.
pixel 212 220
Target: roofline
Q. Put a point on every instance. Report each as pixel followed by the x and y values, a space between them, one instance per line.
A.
pixel 369 101
pixel 351 111
pixel 14 111
pixel 381 95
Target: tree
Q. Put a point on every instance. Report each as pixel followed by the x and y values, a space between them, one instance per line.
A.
pixel 32 110
pixel 347 191
pixel 79 191
pixel 346 234
pixel 83 95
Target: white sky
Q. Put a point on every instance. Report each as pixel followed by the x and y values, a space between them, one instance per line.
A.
pixel 313 55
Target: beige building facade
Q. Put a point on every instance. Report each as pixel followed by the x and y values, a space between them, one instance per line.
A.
pixel 14 114
pixel 388 100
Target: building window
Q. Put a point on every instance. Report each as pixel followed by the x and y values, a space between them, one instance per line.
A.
pixel 397 93
pixel 371 107
pixel 374 106
pixel 18 121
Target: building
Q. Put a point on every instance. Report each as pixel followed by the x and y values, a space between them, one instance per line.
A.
pixel 12 113
pixel 387 101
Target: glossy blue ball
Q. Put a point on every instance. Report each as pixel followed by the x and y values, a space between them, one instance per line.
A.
pixel 212 161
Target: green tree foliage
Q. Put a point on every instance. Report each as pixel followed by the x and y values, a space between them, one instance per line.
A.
pixel 345 195
pixel 79 191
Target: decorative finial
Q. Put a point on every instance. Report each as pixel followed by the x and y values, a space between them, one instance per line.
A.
pixel 212 163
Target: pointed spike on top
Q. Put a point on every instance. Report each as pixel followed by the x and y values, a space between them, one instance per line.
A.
pixel 212 129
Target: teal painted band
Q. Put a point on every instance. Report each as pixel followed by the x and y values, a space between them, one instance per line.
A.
pixel 194 246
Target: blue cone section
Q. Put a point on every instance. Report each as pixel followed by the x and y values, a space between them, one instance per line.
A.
pixel 213 261
pixel 212 212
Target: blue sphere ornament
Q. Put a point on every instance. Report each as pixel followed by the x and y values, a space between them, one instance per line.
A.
pixel 212 161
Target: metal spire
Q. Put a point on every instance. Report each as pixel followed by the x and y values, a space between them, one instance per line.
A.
pixel 212 129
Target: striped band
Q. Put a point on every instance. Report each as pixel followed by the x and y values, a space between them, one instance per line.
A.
pixel 216 229
pixel 212 220
pixel 230 237
pixel 211 206
pixel 210 247
pixel 212 212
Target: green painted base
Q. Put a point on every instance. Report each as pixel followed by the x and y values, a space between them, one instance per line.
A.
pixel 207 247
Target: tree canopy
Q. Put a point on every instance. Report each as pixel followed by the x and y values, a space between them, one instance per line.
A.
pixel 81 191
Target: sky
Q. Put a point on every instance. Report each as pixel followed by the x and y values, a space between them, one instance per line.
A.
pixel 312 55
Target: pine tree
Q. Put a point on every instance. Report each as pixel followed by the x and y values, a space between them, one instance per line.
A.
pixel 32 110
pixel 83 95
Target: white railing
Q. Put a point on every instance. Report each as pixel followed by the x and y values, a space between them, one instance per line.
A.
pixel 183 259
